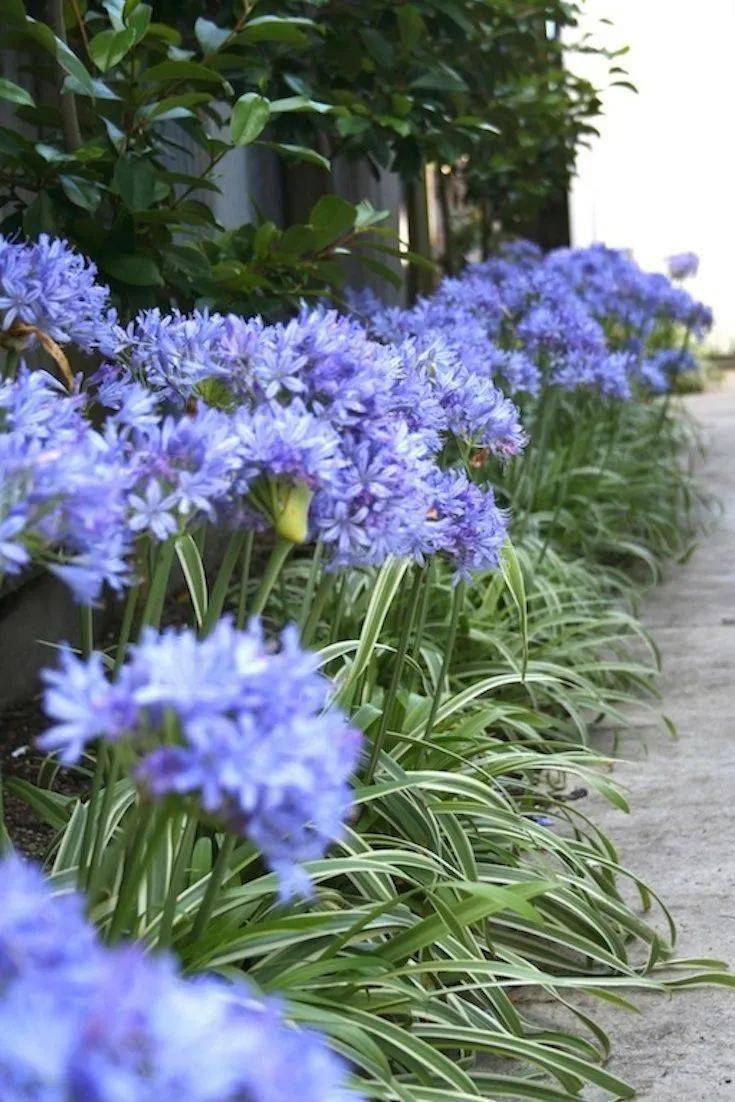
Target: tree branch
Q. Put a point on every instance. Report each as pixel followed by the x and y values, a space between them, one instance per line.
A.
pixel 67 103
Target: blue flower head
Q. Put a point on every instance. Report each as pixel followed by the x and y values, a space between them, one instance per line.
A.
pixel 47 286
pixel 259 749
pixel 82 1021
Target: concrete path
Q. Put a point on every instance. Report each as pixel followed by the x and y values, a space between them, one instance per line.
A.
pixel 679 836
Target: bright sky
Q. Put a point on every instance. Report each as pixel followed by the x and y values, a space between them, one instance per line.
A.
pixel 661 178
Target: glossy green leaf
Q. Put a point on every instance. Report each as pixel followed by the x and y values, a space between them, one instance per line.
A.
pixel 13 93
pixel 332 215
pixel 193 570
pixel 135 181
pixel 299 153
pixel 209 36
pixel 274 28
pixel 109 47
pixel 82 193
pixel 138 271
pixel 249 118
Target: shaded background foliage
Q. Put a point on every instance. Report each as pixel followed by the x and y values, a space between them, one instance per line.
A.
pixel 126 118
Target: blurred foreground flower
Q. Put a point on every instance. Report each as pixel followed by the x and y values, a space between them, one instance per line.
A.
pixel 80 1021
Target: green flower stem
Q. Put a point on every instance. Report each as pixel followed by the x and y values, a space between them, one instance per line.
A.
pixel 316 562
pixel 217 878
pixel 286 616
pixel 126 627
pixel 86 639
pixel 242 598
pixel 85 866
pixel 221 585
pixel 142 838
pixel 6 843
pixel 339 608
pixel 12 359
pixel 408 615
pixel 614 426
pixel 580 444
pixel 326 585
pixel 531 469
pixel 663 412
pixel 95 861
pixel 547 411
pixel 86 630
pixel 457 604
pixel 429 574
pixel 551 528
pixel 281 550
pixel 183 857
pixel 153 609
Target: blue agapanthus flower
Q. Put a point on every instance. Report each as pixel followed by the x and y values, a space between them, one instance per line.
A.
pixel 562 337
pixel 464 524
pixel 181 468
pixel 317 410
pixel 40 936
pixel 63 491
pixel 176 353
pixel 48 286
pixel 258 746
pixel 321 420
pixel 614 375
pixel 581 317
pixel 683 265
pixel 82 1021
pixel 516 370
pixel 629 301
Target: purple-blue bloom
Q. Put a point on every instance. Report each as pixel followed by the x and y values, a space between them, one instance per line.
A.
pixel 683 265
pixel 259 747
pixel 47 285
pixel 62 498
pixel 82 1021
pixel 153 511
pixel 464 524
pixel 176 353
pixel 181 467
pixel 39 935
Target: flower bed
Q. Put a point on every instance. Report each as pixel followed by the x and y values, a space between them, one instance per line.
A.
pixel 331 776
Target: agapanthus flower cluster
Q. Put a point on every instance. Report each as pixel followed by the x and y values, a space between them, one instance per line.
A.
pixel 46 285
pixel 619 293
pixel 586 318
pixel 258 747
pixel 82 1021
pixel 63 491
pixel 451 351
pixel 369 480
pixel 312 427
pixel 683 265
pixel 466 524
pixel 76 497
pixel 182 469
pixel 332 434
pixel 458 321
pixel 323 427
pixel 392 405
pixel 177 353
